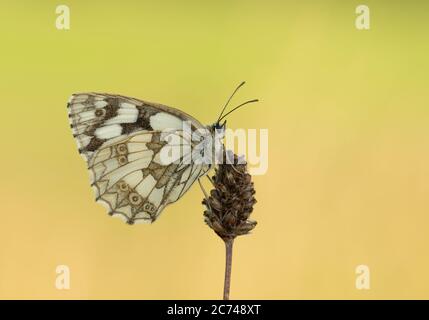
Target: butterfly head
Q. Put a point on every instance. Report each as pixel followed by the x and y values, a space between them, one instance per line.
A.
pixel 219 127
pixel 217 132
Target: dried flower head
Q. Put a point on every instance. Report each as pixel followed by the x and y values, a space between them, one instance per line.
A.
pixel 231 201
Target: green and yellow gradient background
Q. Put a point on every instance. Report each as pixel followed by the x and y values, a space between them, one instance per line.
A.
pixel 348 119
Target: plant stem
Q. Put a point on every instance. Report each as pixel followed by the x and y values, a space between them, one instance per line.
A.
pixel 227 284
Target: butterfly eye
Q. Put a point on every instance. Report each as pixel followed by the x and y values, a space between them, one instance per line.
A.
pixel 122 160
pixel 135 199
pixel 123 186
pixel 100 113
pixel 122 149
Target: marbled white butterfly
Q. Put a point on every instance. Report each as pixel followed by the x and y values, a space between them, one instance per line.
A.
pixel 123 140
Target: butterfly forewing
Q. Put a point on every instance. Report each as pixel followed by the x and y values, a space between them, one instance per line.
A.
pixel 122 140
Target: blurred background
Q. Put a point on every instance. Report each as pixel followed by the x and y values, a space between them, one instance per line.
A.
pixel 347 114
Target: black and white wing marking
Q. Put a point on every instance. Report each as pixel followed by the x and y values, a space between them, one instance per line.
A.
pixel 121 139
pixel 97 118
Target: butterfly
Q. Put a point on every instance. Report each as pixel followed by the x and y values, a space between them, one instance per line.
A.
pixel 123 141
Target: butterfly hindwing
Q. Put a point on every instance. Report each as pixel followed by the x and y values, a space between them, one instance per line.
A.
pixel 133 181
pixel 122 140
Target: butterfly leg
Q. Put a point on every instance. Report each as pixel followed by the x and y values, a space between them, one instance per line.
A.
pixel 205 194
pixel 211 181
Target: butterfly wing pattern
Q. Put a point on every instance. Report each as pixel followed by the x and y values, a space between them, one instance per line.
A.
pixel 122 140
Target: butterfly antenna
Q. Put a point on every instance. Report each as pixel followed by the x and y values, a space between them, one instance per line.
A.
pixel 224 107
pixel 239 106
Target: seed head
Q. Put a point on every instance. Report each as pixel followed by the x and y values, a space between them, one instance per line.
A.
pixel 231 201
